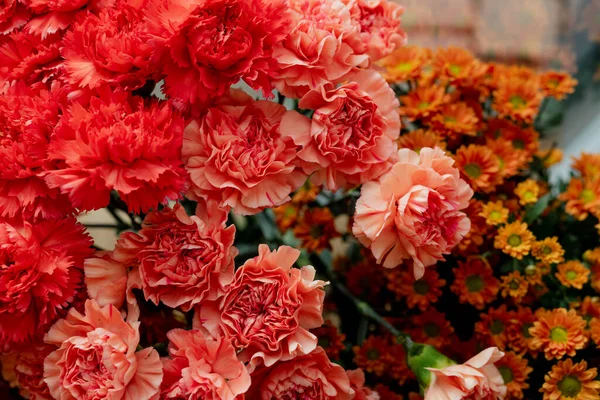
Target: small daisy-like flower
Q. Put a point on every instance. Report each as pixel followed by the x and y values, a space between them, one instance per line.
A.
pixel 454 64
pixel 528 192
pixel 517 332
pixel 582 197
pixel 595 331
pixel 595 278
pixel 573 274
pixel 517 99
pixel 286 216
pixel 405 63
pixel 474 282
pixel 550 157
pixel 558 332
pixel 588 165
pixel 525 141
pixel 548 251
pixel 492 327
pixel 589 309
pixel 514 285
pixel 479 229
pixel 419 138
pixel 331 340
pixel 420 293
pixel 510 160
pixel 315 228
pixel 570 381
pixel 431 328
pixel 366 280
pixel 494 213
pixel 557 84
pixel 423 101
pixel 533 275
pixel 514 239
pixel 306 194
pixel 454 120
pixel 515 371
pixel 478 165
pixel 373 355
pixel 398 369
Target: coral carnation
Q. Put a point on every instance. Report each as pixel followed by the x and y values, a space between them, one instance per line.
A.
pixel 96 357
pixel 351 136
pixel 237 155
pixel 118 142
pixel 24 368
pixel 202 368
pixel 205 46
pixel 413 211
pixel 41 273
pixel 268 309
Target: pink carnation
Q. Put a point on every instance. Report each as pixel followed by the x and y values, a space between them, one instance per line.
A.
pixel 352 136
pixel 312 375
pixel 268 309
pixel 413 211
pixel 112 48
pixel 118 142
pixel 237 155
pixel 205 46
pixel 24 369
pixel 357 383
pixel 96 357
pixel 322 47
pixel 380 29
pixel 13 15
pixel 202 368
pixel 477 379
pixel 41 268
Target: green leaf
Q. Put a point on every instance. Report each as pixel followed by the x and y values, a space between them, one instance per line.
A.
pixel 534 212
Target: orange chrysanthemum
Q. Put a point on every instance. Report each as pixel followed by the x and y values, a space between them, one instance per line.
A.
pixel 571 382
pixel 525 141
pixel 478 165
pixel 405 63
pixel 494 213
pixel 517 73
pixel 595 331
pixel 595 278
pixel 550 157
pixel 533 275
pixel 454 64
pixel 592 255
pixel 510 160
pixel 557 84
pixel 398 369
pixel 419 138
pixel 373 355
pixel 573 274
pixel 366 280
pixel 514 285
pixel 286 216
pixel 548 251
pixel 331 340
pixel 423 101
pixel 431 328
pixel 527 191
pixel 479 229
pixel 492 328
pixel 315 228
pixel 454 120
pixel 514 239
pixel 386 393
pixel 474 282
pixel 582 197
pixel 517 332
pixel 517 99
pixel 307 193
pixel 515 371
pixel 588 165
pixel 558 332
pixel 419 293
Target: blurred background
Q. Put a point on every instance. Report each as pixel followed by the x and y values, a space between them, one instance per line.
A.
pixel 543 34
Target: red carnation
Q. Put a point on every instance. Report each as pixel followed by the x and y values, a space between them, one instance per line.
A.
pixel 51 15
pixel 118 142
pixel 26 122
pixel 13 15
pixel 28 58
pixel 41 273
pixel 205 46
pixel 110 48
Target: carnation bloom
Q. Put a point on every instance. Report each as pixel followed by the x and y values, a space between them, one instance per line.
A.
pixel 202 368
pixel 52 16
pixel 494 213
pixel 357 383
pixel 323 46
pixel 573 274
pixel 557 84
pixel 478 166
pixel 476 379
pixel 27 119
pixel 423 101
pixel 514 239
pixel 41 266
pixel 24 368
pixel 515 371
pixel 118 142
pixel 311 374
pixel 112 48
pixel 548 250
pixel 514 285
pixel 517 99
pixel 417 139
pixel 558 333
pixel 351 136
pixel 527 191
pixel 455 119
pixel 582 197
pixel 474 282
pixel 13 15
pixel 205 46
pixel 413 211
pixel 421 293
pixel 493 326
pixel 96 356
pixel 404 63
pixel 573 381
pixel 237 155
pixel 268 308
pixel 379 22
